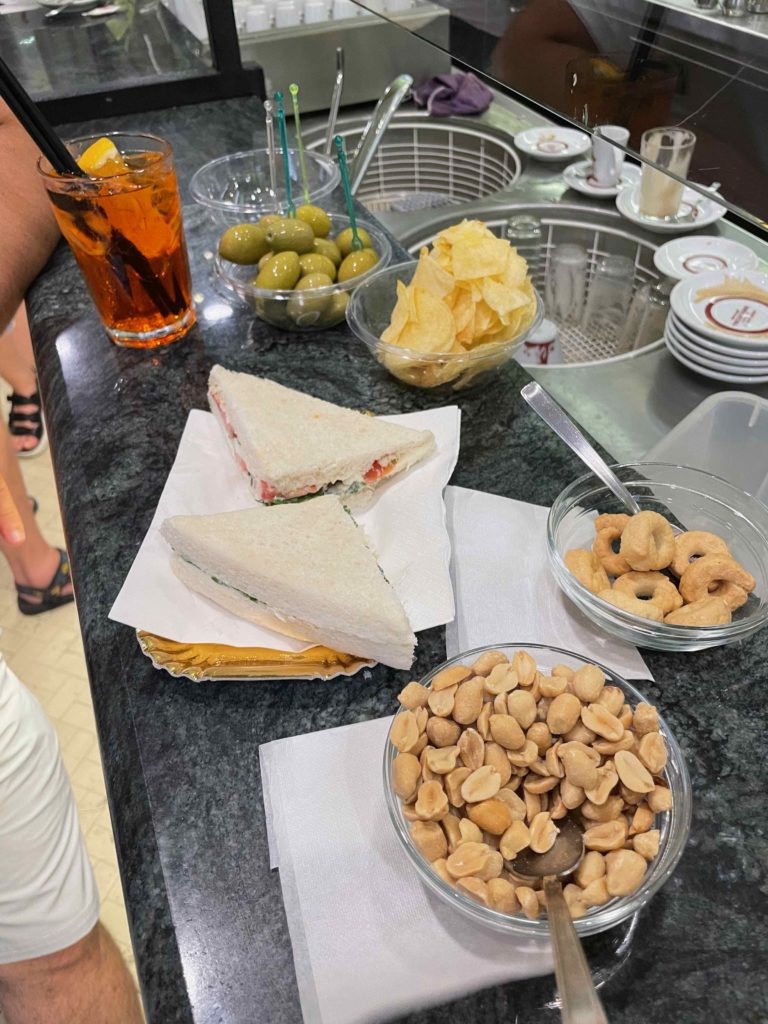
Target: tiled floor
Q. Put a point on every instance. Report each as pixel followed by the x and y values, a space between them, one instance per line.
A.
pixel 46 653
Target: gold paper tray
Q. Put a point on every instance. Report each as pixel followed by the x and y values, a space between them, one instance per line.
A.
pixel 217 661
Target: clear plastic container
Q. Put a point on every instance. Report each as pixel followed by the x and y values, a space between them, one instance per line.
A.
pixel 727 434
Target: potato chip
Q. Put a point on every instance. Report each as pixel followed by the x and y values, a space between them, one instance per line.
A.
pixel 432 277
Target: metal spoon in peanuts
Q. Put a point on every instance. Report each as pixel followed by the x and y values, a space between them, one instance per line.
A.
pixel 580 1003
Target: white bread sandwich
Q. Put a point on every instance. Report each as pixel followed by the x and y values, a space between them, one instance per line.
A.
pixel 293 446
pixel 304 570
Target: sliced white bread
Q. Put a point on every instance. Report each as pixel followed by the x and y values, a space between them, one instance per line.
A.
pixel 294 441
pixel 305 570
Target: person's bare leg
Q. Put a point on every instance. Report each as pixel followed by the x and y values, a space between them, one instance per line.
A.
pixel 34 562
pixel 17 367
pixel 87 983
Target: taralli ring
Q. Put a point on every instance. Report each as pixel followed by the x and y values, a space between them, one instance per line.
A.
pixel 695 544
pixel 614 563
pixel 645 609
pixel 648 542
pixel 653 586
pixel 710 611
pixel 587 569
pixel 703 578
pixel 609 521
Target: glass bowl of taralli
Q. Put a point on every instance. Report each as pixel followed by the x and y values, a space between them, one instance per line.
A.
pixel 689 572
pixel 463 806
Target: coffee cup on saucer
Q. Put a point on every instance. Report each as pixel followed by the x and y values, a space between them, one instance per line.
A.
pixel 607 158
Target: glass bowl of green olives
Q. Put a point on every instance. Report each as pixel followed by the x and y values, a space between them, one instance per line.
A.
pixel 236 188
pixel 298 273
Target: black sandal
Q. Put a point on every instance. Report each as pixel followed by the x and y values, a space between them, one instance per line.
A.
pixel 50 597
pixel 37 430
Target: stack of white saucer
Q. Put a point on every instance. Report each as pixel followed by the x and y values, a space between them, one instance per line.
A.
pixel 718 325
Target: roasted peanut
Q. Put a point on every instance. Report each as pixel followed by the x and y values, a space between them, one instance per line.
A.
pixel 427 774
pixel 601 722
pixel 481 725
pixel 525 756
pixel 501 679
pixel 607 779
pixel 587 683
pixel 579 734
pixel 409 812
pixel 563 713
pixel 629 796
pixel 453 783
pixel 580 769
pixel 513 802
pixel 422 717
pixel 557 808
pixel 406 772
pixel 632 772
pixel 413 695
pixel 609 835
pixel 522 707
pixel 492 867
pixel 646 719
pixel 659 799
pixel 442 732
pixel 574 897
pixel 591 868
pixel 612 698
pixel 496 756
pixel 440 869
pixel 441 701
pixel 516 838
pixel 540 735
pixel 525 667
pixel 641 820
pixel 625 716
pixel 553 686
pixel 492 816
pixel 596 893
pixel 624 870
pixel 499 705
pixel 476 888
pixel 507 732
pixel 468 702
pixel 533 805
pixel 553 762
pixel 431 802
pixel 420 745
pixel 450 677
pixel 572 796
pixel 429 839
pixel 468 859
pixel 652 751
pixel 471 749
pixel 540 784
pixel 542 708
pixel 404 732
pixel 607 749
pixel 564 671
pixel 482 784
pixel 528 900
pixel 501 894
pixel 647 843
pixel 539 767
pixel 487 661
pixel 470 833
pixel 441 760
pixel 611 809
pixel 544 832
pixel 450 826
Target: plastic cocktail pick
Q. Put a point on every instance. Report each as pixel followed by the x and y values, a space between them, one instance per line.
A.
pixel 356 240
pixel 286 161
pixel 293 89
pixel 271 151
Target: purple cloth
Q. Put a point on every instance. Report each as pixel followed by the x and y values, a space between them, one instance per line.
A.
pixel 456 93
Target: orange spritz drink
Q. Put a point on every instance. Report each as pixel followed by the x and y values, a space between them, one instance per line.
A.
pixel 123 224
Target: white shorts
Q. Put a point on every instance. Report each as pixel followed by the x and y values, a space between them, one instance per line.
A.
pixel 48 895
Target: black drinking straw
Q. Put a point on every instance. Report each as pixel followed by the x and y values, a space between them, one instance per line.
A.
pixel 36 125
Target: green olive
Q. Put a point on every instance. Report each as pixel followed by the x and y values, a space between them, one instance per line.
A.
pixel 357 263
pixel 344 240
pixel 243 243
pixel 271 218
pixel 265 259
pixel 280 273
pixel 290 236
pixel 325 247
pixel 337 308
pixel 314 263
pixel 317 219
pixel 304 308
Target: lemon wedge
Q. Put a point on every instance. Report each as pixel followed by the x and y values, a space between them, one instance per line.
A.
pixel 102 159
pixel 606 70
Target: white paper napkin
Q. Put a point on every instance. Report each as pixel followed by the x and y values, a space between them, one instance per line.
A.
pixel 369 942
pixel 505 589
pixel 406 524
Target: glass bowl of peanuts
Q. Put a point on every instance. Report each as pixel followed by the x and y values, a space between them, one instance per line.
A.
pixel 690 571
pixel 494 747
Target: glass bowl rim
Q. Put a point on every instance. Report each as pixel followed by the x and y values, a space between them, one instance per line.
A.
pixel 647 627
pixel 226 205
pixel 596 919
pixel 376 232
pixel 477 354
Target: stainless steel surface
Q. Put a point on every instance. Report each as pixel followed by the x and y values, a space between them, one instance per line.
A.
pixel 423 162
pixel 373 133
pixel 579 1001
pixel 558 420
pixel 333 113
pixel 375 51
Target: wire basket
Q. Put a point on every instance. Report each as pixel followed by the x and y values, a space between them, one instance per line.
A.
pixel 599 232
pixel 425 163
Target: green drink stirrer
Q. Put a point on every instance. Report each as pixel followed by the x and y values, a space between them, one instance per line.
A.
pixel 357 242
pixel 286 161
pixel 293 89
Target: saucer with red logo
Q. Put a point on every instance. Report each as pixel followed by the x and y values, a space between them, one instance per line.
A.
pixel 553 143
pixel 698 254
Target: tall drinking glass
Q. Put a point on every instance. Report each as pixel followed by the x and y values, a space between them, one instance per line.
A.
pixel 126 233
pixel 670 149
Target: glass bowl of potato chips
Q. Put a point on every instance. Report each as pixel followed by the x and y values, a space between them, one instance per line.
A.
pixel 452 318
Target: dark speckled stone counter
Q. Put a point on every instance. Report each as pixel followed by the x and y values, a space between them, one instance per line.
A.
pixel 181 759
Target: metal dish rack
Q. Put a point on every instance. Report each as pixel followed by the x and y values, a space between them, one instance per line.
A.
pixel 425 163
pixel 600 232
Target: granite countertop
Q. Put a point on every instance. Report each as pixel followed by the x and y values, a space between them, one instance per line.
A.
pixel 181 759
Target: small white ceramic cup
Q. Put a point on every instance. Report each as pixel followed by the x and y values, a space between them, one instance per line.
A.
pixel 607 159
pixel 257 18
